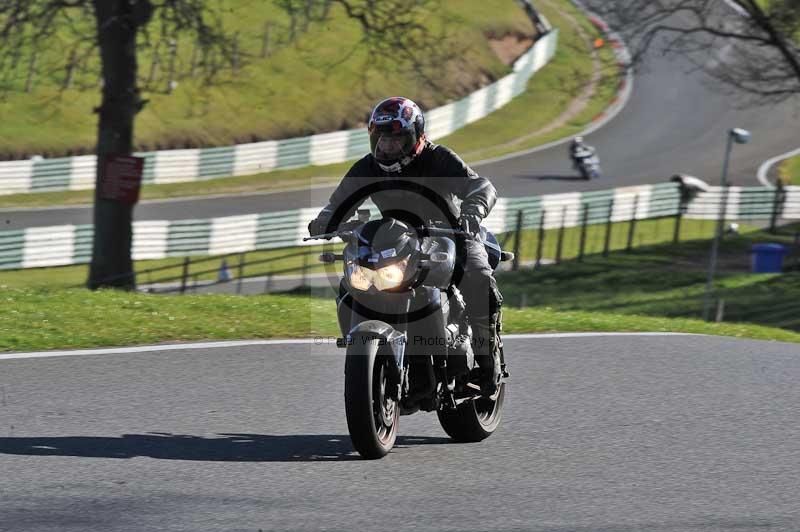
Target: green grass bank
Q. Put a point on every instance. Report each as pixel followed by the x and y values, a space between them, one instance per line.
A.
pixel 789 171
pixel 548 97
pixel 290 80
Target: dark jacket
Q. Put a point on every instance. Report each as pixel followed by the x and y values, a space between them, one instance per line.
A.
pixel 424 190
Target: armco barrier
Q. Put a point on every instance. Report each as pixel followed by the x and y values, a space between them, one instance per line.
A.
pixel 175 166
pixel 71 244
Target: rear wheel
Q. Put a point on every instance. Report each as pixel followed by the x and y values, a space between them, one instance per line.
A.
pixel 372 416
pixel 474 420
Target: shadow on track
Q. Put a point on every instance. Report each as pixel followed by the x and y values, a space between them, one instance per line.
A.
pixel 226 448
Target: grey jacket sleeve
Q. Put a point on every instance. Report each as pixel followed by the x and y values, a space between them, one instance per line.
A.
pixel 477 193
pixel 346 195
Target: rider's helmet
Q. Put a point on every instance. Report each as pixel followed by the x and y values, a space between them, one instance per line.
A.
pixel 576 144
pixel 396 133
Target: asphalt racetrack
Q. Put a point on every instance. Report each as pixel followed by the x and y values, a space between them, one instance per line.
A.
pixel 600 433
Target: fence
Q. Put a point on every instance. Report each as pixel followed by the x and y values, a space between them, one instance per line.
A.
pixel 185 277
pixel 175 166
pixel 71 244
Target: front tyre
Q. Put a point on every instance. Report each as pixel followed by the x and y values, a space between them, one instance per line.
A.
pixel 474 420
pixel 372 416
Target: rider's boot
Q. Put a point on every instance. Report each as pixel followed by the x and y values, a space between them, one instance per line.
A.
pixel 487 354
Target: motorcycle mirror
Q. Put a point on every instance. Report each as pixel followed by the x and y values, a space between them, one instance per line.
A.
pixel 363 215
pixel 328 258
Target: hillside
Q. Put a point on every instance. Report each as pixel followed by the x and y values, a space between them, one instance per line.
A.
pixel 322 79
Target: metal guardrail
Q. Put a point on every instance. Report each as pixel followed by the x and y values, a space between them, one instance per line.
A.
pixel 72 244
pixel 174 166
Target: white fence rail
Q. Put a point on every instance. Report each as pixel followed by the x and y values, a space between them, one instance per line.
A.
pixel 71 244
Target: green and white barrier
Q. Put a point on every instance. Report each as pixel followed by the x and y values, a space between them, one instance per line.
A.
pixel 72 244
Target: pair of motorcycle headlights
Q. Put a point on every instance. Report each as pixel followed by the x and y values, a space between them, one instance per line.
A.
pixel 385 278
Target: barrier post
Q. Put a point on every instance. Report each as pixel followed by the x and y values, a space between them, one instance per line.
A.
pixel 632 225
pixel 240 274
pixel 184 274
pixel 539 244
pixel 584 224
pixel 676 236
pixel 607 242
pixel 268 283
pixel 777 202
pixel 517 241
pixel 560 244
pixel 720 310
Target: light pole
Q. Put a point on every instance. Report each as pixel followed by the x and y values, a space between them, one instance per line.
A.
pixel 739 136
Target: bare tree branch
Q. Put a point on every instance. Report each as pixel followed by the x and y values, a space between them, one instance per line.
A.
pixel 748 50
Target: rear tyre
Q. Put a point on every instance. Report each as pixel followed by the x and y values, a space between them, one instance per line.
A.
pixel 372 417
pixel 475 420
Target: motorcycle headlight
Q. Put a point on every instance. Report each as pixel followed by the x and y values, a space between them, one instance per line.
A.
pixel 359 277
pixel 391 276
pixel 385 278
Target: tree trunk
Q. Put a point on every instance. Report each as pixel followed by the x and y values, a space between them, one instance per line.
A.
pixel 117 24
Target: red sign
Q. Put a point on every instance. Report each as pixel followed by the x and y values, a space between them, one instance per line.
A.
pixel 121 178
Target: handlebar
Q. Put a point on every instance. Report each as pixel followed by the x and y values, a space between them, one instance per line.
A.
pixel 440 231
pixel 346 230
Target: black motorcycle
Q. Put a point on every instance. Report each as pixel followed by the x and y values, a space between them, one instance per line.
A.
pixel 409 346
pixel 587 163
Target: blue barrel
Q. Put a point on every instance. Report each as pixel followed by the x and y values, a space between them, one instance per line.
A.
pixel 767 258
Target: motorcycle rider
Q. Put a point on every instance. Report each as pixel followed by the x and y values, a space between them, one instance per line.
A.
pixel 579 150
pixel 400 150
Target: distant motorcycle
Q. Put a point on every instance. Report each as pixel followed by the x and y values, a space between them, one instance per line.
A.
pixel 587 163
pixel 409 346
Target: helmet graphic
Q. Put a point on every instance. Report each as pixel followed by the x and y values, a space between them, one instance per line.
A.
pixel 396 133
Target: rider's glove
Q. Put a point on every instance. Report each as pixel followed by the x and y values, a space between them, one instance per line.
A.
pixel 318 226
pixel 470 219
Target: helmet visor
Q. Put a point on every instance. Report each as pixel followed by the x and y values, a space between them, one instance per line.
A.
pixel 389 146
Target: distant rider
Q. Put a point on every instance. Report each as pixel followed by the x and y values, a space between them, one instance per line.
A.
pixel 579 150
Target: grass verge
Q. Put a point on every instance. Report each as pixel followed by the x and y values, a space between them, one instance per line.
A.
pixel 550 92
pixel 653 288
pixel 790 171
pixel 45 318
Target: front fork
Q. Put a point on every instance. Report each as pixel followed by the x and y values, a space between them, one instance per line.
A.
pixel 503 368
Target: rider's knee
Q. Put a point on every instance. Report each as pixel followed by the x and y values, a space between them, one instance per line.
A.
pixel 481 293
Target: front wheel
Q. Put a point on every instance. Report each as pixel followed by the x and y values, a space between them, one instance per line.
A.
pixel 372 416
pixel 474 420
